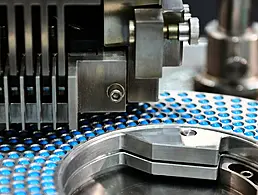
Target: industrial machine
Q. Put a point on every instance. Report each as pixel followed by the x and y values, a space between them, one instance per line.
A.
pixel 86 106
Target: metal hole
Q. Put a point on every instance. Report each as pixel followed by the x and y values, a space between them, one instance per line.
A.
pixel 188 132
pixel 247 174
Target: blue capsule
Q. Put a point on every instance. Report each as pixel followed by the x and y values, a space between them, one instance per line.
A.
pixel 5 190
pixel 120 126
pixel 236 100
pixel 13 155
pixel 219 97
pixel 35 148
pixel 33 181
pixel 209 112
pixel 250 127
pixel 99 131
pixel 167 121
pixel 33 174
pixel 236 106
pixel 192 122
pixel 225 121
pixel 160 115
pixel 160 105
pixel 238 124
pixel 20 192
pixel 173 115
pixel 199 117
pixel 253 103
pixel 252 109
pixel 251 115
pixel 220 103
pixel 66 147
pixel 18 177
pixel 237 111
pixel 200 95
pixel 213 118
pixel 155 121
pixel 190 105
pixel 196 111
pixel 170 99
pixel 181 110
pixel 165 94
pixel 20 148
pixel 44 153
pixel 143 122
pixel 222 109
pixel 187 100
pixel 4 180
pixel 80 138
pixel 249 134
pixel 175 105
pixel 50 147
pixel 203 101
pixel 5 148
pixel 228 127
pixel 47 184
pixel 182 94
pixel 180 121
pixel 5 171
pixel 237 117
pixel 50 191
pixel 239 130
pixel 35 167
pixel 34 189
pixel 166 110
pixel 19 185
pixel 206 107
pixel 20 169
pixel 204 123
pixel 216 125
pixel 186 116
pixel 8 163
pixel 250 121
pixel 24 161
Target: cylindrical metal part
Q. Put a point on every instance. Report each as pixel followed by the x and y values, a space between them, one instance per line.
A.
pixel 234 16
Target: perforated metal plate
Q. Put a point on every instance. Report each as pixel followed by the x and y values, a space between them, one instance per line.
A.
pixel 29 158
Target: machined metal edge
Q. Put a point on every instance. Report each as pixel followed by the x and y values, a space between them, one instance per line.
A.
pixel 94 157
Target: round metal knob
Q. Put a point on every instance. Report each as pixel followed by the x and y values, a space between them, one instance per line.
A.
pixel 194 31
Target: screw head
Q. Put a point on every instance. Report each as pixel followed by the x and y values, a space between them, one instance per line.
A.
pixel 116 92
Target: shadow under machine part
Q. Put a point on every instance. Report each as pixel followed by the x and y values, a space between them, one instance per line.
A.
pixel 232 50
pixel 61 58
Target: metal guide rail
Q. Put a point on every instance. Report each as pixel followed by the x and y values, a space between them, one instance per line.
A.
pixel 186 136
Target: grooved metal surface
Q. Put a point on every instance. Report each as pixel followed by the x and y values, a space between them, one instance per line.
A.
pixel 28 158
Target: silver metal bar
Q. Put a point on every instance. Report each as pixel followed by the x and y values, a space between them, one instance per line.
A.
pixel 38 91
pixel 12 37
pixel 28 38
pixel 149 50
pixel 44 38
pixel 54 91
pixel 22 94
pixel 6 97
pixel 72 95
pixel 61 38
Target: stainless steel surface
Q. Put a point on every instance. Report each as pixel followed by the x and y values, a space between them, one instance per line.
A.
pixel 97 156
pixel 108 68
pixel 234 16
pixel 149 49
pixel 116 16
pixel 139 89
pixel 231 66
